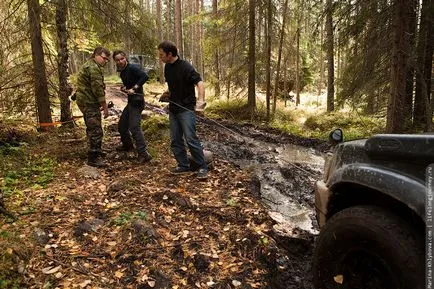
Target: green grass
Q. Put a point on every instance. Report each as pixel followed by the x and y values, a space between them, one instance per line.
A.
pixel 353 125
pixel 156 127
pixel 126 217
pixel 300 121
pixel 111 79
pixel 11 249
pixel 20 171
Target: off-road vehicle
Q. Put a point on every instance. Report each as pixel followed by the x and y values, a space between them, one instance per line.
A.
pixel 370 206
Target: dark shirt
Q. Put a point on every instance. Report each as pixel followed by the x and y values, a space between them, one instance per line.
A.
pixel 132 75
pixel 181 77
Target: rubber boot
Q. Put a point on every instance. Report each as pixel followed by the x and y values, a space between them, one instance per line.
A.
pixel 93 160
pixel 144 157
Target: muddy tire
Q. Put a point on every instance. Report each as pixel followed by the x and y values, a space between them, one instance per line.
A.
pixel 369 247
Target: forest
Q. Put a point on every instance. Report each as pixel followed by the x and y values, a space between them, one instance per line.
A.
pixel 279 76
pixel 374 57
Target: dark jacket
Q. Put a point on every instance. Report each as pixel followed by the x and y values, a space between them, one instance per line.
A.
pixel 181 77
pixel 132 75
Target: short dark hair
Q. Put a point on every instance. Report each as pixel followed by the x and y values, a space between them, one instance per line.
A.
pixel 117 52
pixel 168 46
pixel 99 50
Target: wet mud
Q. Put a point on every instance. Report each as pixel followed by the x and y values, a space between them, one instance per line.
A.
pixel 283 170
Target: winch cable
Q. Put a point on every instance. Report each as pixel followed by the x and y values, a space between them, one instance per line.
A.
pixel 203 119
pixel 236 134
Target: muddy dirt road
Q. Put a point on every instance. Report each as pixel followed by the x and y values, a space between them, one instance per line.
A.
pixel 283 169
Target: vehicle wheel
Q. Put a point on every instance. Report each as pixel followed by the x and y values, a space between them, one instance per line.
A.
pixel 368 247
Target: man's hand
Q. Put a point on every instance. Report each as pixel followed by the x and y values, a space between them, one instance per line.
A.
pixel 165 97
pixel 124 89
pixel 106 112
pixel 200 106
pixel 104 109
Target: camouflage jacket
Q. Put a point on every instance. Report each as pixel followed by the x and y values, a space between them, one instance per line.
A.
pixel 90 85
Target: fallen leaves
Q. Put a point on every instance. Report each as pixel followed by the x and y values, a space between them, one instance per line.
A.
pixel 209 222
pixel 339 279
pixel 51 270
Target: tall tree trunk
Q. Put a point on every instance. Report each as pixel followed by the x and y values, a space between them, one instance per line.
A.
pixel 231 64
pixel 39 74
pixel 216 51
pixel 321 63
pixel 298 72
pixel 198 44
pixel 178 27
pixel 65 88
pixel 251 99
pixel 422 109
pixel 408 100
pixel 400 52
pixel 127 15
pixel 160 38
pixel 330 57
pixel 202 37
pixel 190 32
pixel 169 20
pixel 428 68
pixel 268 59
pixel 279 57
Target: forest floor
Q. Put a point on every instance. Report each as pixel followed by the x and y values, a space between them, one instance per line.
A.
pixel 139 226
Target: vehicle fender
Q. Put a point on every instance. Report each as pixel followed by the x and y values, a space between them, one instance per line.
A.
pixel 403 188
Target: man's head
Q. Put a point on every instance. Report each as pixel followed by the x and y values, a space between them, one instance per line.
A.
pixel 101 55
pixel 167 51
pixel 120 58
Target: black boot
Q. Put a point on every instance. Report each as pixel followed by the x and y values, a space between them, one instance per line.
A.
pixel 125 148
pixel 93 160
pixel 144 157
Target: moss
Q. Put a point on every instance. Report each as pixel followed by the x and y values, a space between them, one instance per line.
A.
pixel 354 126
pixel 156 127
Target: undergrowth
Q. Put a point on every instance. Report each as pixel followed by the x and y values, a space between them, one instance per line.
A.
pixel 300 122
pixel 156 127
pixel 22 171
pixel 353 125
pixel 20 167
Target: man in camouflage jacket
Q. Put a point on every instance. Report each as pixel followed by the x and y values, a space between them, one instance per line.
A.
pixel 91 101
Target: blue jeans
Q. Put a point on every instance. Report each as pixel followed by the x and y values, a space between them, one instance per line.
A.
pixel 183 125
pixel 129 121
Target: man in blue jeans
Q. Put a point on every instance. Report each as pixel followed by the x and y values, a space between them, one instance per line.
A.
pixel 133 79
pixel 182 79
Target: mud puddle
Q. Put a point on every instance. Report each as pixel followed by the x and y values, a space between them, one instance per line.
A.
pixel 284 169
pixel 283 175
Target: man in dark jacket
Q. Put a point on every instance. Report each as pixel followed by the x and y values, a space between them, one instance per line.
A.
pixel 181 79
pixel 91 101
pixel 133 79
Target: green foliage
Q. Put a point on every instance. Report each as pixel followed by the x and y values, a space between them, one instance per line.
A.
pixel 112 79
pixel 239 111
pixel 24 171
pixel 9 252
pixel 231 202
pixel 316 126
pixel 126 217
pixel 156 127
pixel 122 219
pixel 354 126
pixel 232 110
